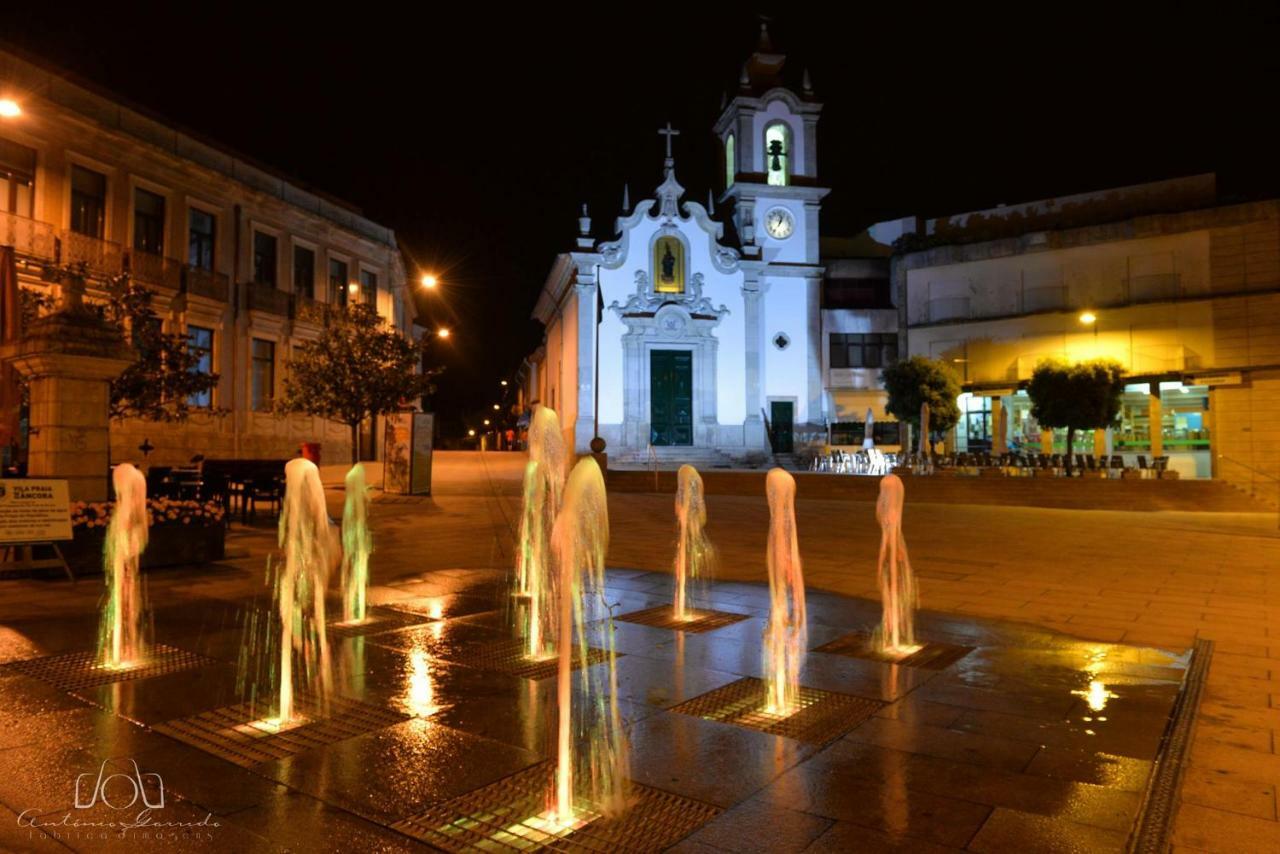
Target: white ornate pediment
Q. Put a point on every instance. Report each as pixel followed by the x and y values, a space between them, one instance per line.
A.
pixel 645 302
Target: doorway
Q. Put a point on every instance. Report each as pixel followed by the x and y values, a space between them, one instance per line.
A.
pixel 782 421
pixel 670 397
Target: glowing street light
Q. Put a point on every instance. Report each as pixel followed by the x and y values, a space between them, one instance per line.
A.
pixel 486 422
pixel 504 382
pixel 1088 318
pixel 353 288
pixel 9 108
pixel 443 332
pixel 429 281
pixel 471 432
pixel 496 407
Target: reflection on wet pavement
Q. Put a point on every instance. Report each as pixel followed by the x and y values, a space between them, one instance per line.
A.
pixel 1026 737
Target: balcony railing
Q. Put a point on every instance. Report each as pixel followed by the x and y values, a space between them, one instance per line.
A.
pixel 205 283
pixel 154 269
pixel 308 310
pixel 100 256
pixel 266 298
pixel 29 237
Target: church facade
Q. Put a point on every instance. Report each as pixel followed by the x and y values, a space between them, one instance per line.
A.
pixel 679 337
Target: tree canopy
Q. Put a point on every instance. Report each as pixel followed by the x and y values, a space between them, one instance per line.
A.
pixel 918 380
pixel 1076 396
pixel 357 368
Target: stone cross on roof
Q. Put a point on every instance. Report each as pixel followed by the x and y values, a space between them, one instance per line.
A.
pixel 668 133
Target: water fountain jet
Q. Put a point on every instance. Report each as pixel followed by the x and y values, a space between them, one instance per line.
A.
pixel 580 541
pixel 544 480
pixel 694 552
pixel 786 634
pixel 896 634
pixel 120 642
pixel 357 544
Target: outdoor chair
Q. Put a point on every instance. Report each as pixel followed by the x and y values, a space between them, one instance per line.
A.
pixel 265 488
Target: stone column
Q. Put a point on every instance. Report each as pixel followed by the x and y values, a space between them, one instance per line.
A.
pixel 753 426
pixel 69 359
pixel 998 443
pixel 584 429
pixel 1154 415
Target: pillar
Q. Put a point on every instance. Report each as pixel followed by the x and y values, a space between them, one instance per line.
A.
pixel 1100 443
pixel 1046 442
pixel 753 426
pixel 69 359
pixel 584 428
pixel 999 442
pixel 1154 415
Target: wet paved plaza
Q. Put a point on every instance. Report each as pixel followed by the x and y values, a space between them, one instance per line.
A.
pixel 1004 738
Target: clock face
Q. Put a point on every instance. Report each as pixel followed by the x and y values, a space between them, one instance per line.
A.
pixel 779 223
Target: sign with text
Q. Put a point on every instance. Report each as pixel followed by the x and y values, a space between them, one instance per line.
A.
pixel 34 511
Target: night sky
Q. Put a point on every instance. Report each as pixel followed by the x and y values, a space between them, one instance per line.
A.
pixel 477 135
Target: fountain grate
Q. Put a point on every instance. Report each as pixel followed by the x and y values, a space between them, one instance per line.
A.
pixel 77 671
pixel 238 733
pixel 932 655
pixel 508 656
pixel 663 617
pixel 821 717
pixel 504 816
pixel 378 620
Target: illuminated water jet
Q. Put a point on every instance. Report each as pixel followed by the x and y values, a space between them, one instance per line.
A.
pixel 357 544
pixel 579 542
pixel 120 642
pixel 785 636
pixel 896 634
pixel 694 552
pixel 544 478
pixel 309 542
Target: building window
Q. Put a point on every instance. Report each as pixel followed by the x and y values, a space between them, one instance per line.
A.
pixel 200 345
pixel 777 154
pixel 369 287
pixel 264 258
pixel 148 221
pixel 730 162
pixel 17 178
pixel 856 293
pixel 304 272
pixel 201 230
pixel 264 374
pixel 88 202
pixel 668 265
pixel 863 350
pixel 338 282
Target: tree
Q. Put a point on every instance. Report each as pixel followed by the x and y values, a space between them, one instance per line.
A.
pixel 359 367
pixel 918 380
pixel 160 383
pixel 1080 396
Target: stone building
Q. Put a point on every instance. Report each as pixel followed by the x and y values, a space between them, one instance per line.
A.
pixel 1183 291
pixel 241 259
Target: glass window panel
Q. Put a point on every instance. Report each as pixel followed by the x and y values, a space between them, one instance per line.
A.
pixel 264 258
pixel 88 201
pixel 304 271
pixel 338 281
pixel 148 221
pixel 264 370
pixel 200 237
pixel 200 344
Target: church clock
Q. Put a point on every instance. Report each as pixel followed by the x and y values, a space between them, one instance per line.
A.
pixel 779 223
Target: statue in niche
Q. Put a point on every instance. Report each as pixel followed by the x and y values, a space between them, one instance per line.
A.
pixel 668 266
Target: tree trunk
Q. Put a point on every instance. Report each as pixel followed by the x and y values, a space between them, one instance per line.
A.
pixel 355 442
pixel 1071 433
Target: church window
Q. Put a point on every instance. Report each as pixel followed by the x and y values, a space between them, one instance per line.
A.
pixel 730 161
pixel 777 154
pixel 668 265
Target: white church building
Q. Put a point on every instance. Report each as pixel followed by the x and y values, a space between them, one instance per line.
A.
pixel 679 337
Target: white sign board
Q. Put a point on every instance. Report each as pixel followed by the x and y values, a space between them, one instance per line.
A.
pixel 34 511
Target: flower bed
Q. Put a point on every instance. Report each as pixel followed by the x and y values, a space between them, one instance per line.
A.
pixel 182 532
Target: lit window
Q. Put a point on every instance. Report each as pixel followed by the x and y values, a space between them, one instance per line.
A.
pixel 777 154
pixel 200 344
pixel 264 374
pixel 369 287
pixel 730 161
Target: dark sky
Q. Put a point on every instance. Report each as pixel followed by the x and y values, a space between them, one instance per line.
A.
pixel 477 134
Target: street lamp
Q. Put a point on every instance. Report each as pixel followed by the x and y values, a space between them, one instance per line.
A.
pixel 496 407
pixel 486 422
pixel 429 281
pixel 1088 318
pixel 443 332
pixel 504 382
pixel 471 432
pixel 9 108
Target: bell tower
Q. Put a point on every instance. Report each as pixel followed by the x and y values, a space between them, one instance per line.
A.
pixel 768 137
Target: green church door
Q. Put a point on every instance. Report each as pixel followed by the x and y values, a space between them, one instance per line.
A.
pixel 670 397
pixel 782 414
